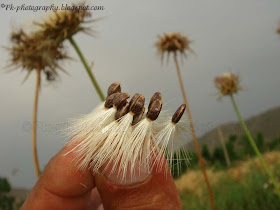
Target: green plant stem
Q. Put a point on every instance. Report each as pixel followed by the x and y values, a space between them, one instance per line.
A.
pixel 98 89
pixel 196 145
pixel 254 146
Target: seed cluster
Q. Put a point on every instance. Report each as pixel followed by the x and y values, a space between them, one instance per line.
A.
pixel 136 105
pixel 118 135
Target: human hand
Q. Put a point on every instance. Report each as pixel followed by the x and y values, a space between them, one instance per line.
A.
pixel 62 186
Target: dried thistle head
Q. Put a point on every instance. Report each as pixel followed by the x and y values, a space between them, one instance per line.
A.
pixel 32 51
pixel 227 83
pixel 172 42
pixel 62 24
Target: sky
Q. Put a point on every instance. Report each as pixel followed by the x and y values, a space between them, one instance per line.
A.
pixel 237 36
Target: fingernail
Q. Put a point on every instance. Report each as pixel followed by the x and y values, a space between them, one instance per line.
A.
pixel 138 176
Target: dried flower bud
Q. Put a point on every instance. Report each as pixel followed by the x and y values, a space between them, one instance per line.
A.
pixel 34 52
pixel 173 42
pixel 227 83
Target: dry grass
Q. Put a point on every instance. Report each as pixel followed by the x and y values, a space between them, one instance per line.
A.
pixel 192 181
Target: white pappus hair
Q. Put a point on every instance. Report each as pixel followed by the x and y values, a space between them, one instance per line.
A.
pixel 116 138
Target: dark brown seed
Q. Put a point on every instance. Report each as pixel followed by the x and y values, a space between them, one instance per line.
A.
pixel 134 97
pixel 114 88
pixel 156 96
pixel 109 100
pixel 137 103
pixel 154 110
pixel 138 117
pixel 120 99
pixel 179 113
pixel 122 111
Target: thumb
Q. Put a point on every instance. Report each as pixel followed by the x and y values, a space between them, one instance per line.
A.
pixel 157 191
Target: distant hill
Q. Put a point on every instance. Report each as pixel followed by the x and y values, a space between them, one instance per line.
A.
pixel 267 122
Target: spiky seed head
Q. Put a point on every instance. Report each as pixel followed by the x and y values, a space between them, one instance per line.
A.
pixel 227 83
pixel 32 51
pixel 172 42
pixel 62 24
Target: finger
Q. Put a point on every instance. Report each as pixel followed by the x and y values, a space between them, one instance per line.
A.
pixel 158 191
pixel 61 185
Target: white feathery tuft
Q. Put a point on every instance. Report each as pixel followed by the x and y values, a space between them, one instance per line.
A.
pixel 87 136
pixel 139 150
pixel 115 146
pixel 171 141
pixel 83 122
pixel 102 142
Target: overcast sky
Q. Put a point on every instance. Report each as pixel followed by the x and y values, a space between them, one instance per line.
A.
pixel 227 35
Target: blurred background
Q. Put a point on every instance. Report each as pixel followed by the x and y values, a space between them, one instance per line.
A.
pixel 237 36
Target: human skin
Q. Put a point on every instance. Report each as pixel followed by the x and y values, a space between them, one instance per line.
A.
pixel 62 186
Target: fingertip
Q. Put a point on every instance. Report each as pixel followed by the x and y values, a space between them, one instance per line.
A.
pixel 63 178
pixel 158 191
pixel 61 185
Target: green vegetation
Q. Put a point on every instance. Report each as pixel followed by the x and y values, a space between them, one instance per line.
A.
pixel 7 202
pixel 251 193
pixel 238 149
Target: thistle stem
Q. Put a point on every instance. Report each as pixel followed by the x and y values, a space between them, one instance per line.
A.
pixel 254 146
pixel 34 124
pixel 94 82
pixel 201 161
